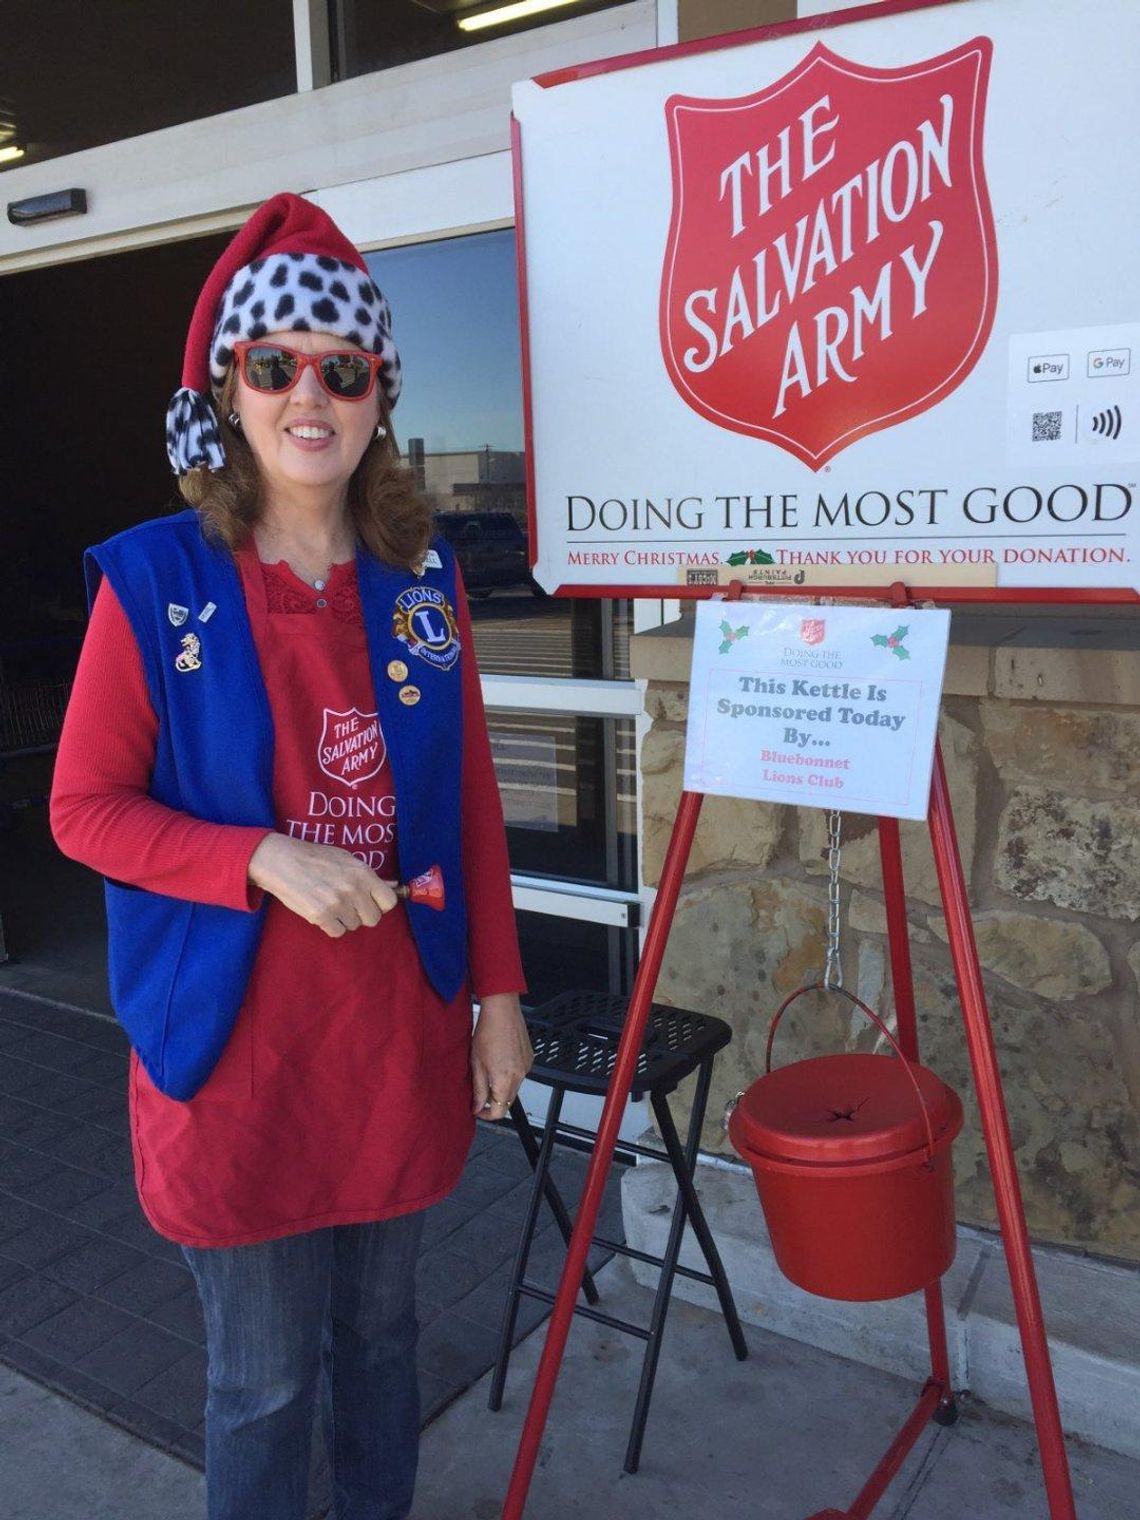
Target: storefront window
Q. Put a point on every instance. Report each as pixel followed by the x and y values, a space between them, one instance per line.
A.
pixel 562 953
pixel 459 420
pixel 367 35
pixel 567 785
pixel 79 73
pixel 567 781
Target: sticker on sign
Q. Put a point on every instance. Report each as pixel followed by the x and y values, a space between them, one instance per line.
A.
pixel 1045 367
pixel 1104 363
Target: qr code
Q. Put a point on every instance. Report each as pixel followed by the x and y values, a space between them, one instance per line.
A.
pixel 1046 427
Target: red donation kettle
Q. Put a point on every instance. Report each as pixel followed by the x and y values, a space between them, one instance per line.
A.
pixel 851 1155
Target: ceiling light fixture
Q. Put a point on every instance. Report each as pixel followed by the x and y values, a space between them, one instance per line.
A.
pixel 502 14
pixel 10 152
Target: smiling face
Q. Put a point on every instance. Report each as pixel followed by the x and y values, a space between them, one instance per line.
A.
pixel 306 439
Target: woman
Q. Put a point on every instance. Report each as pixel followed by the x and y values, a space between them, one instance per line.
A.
pixel 276 716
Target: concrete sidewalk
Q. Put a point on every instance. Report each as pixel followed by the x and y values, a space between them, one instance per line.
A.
pixel 778 1437
pixel 97 1306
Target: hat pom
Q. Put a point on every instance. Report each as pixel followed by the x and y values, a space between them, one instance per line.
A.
pixel 193 437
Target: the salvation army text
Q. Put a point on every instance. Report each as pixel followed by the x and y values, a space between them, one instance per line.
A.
pixel 884 191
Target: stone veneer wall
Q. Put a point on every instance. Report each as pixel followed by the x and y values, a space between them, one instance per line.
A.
pixel 1046 796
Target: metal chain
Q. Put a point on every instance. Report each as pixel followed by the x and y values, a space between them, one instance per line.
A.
pixel 833 968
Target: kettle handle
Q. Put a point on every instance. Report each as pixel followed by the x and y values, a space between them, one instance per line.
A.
pixel 882 1028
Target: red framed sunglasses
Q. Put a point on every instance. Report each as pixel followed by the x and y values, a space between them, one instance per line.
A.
pixel 275 369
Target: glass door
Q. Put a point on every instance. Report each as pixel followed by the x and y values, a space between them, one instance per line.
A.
pixel 561 708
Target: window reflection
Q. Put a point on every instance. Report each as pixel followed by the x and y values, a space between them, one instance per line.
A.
pixel 567 786
pixel 76 74
pixel 456 321
pixel 368 36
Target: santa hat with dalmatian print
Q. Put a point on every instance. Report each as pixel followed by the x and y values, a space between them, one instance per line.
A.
pixel 290 268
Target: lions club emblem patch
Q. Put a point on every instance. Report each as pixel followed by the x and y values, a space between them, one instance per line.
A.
pixel 425 621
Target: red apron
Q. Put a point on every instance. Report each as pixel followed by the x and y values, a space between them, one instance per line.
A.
pixel 344 1092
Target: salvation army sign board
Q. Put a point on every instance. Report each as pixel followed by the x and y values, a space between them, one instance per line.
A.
pixel 843 303
pixel 832 707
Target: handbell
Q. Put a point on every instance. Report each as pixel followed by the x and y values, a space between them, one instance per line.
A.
pixel 426 888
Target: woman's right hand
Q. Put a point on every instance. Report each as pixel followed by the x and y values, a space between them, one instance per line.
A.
pixel 322 883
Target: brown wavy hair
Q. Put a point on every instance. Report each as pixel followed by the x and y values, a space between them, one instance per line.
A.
pixel 389 514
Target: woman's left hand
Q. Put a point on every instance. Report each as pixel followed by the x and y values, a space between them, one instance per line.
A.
pixel 501 1055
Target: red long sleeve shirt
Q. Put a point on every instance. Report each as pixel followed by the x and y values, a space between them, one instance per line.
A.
pixel 343 1094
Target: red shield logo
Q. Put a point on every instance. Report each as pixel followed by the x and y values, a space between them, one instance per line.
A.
pixel 812 630
pixel 351 747
pixel 831 266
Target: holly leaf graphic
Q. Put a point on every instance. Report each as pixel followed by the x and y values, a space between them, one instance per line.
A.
pixel 750 557
pixel 900 633
pixel 902 652
pixel 731 635
pixel 880 639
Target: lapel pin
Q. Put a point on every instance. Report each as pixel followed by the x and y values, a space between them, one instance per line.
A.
pixel 191 649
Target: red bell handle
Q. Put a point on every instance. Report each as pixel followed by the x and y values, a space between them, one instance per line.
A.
pixel 426 888
pixel 877 1021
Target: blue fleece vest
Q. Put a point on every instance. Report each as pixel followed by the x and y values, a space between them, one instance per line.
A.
pixel 178 970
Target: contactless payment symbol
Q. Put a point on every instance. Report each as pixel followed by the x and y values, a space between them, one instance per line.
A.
pixel 425 622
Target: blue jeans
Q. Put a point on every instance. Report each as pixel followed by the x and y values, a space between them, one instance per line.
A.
pixel 334 1308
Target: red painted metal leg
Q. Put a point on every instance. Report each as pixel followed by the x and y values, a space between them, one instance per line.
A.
pixel 999 1148
pixel 902 980
pixel 892 1459
pixel 896 1454
pixel 625 1067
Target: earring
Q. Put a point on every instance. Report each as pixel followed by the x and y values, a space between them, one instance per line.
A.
pixel 381 431
pixel 234 421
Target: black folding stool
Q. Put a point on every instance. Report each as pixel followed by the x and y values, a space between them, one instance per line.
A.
pixel 575 1039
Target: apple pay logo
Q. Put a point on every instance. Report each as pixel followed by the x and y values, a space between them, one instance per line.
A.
pixel 1048 367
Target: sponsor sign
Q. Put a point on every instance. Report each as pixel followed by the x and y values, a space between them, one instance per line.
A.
pixel 838 711
pixel 837 306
